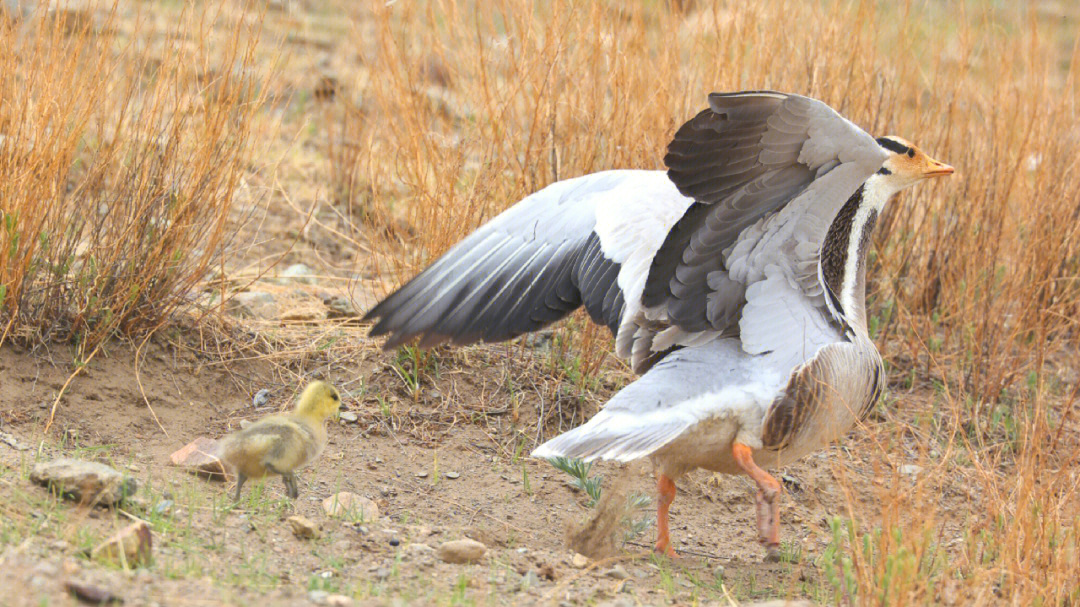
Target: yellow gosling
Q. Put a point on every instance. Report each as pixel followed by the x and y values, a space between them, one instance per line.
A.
pixel 281 444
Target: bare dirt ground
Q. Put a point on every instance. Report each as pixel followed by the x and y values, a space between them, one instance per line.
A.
pixel 440 469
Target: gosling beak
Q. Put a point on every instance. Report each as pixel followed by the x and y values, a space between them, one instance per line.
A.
pixel 937 169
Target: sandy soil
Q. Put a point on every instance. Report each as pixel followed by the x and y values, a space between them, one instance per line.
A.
pixel 440 469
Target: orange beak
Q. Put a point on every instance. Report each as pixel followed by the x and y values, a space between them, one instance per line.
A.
pixel 937 169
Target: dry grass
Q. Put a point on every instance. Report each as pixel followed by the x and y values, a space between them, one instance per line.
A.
pixel 121 155
pixel 458 112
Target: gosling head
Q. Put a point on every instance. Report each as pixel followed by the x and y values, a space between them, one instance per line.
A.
pixel 319 400
pixel 907 164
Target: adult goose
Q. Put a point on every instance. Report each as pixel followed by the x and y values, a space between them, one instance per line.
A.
pixel 734 281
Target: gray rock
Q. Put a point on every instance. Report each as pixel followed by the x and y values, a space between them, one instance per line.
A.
pixel 340 307
pixel 452 475
pixel 462 551
pixel 254 304
pixel 261 398
pixel 87 482
pixel 349 417
pixel 910 469
pixel 529 580
pixel 618 572
pixel 297 272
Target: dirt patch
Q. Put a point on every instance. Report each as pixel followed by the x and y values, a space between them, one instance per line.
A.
pixel 435 474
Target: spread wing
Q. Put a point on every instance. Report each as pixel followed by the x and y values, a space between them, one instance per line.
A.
pixel 584 241
pixel 768 172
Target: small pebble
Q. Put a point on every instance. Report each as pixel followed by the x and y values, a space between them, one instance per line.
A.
pixel 452 475
pixel 395 542
pixel 348 417
pixel 618 572
pixel 529 580
pixel 421 474
pixel 261 398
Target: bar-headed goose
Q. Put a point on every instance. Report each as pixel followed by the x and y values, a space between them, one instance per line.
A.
pixel 735 282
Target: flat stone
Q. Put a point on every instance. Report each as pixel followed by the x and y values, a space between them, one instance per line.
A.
pixel 130 547
pixel 91 594
pixel 254 304
pixel 579 561
pixel 452 475
pixel 910 469
pixel 618 572
pixel 339 307
pixel 297 272
pixel 302 527
pixel 349 417
pixel 199 457
pixel 351 506
pixel 418 550
pixel 86 482
pixel 462 551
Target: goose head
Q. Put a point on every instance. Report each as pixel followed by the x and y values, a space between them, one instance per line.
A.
pixel 906 165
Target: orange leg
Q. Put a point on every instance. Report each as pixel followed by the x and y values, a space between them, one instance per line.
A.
pixel 665 487
pixel 768 503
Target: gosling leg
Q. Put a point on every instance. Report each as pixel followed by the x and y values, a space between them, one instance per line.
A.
pixel 290 485
pixel 240 478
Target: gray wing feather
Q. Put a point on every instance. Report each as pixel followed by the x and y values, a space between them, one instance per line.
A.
pixel 529 266
pixel 745 158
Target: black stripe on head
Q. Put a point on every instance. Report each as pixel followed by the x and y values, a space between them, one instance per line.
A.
pixel 894 146
pixel 884 171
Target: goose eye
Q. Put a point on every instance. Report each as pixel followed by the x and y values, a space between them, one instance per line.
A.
pixel 910 153
pixel 334 396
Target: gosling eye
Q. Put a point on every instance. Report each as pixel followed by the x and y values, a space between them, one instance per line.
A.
pixel 333 396
pixel 910 153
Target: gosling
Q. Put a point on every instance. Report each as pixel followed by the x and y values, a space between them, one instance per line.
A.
pixel 281 444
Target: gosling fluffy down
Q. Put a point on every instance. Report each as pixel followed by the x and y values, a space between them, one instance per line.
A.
pixel 281 444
